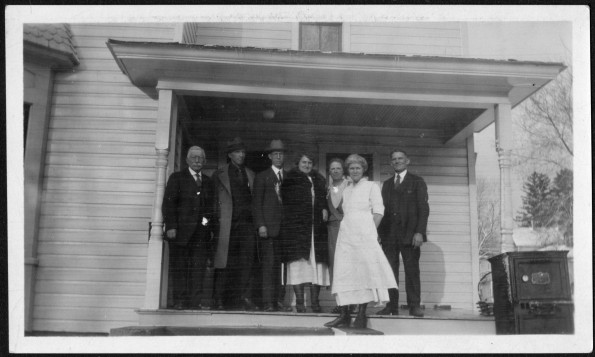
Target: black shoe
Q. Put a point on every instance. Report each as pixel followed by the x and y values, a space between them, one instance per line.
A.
pixel 388 310
pixel 282 307
pixel 344 320
pixel 179 306
pixel 336 310
pixel 269 308
pixel 361 320
pixel 416 311
pixel 300 309
pixel 218 305
pixel 316 309
pixel 249 305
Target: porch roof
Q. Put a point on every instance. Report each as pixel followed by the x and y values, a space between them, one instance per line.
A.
pixel 466 90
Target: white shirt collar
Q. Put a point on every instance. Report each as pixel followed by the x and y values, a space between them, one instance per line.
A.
pixel 401 175
pixel 194 173
pixel 276 170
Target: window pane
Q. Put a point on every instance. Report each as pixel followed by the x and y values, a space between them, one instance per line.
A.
pixel 310 37
pixel 330 38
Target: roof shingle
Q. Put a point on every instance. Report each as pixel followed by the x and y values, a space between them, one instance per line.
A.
pixel 53 36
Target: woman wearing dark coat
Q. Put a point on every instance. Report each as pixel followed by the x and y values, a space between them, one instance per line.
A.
pixel 304 231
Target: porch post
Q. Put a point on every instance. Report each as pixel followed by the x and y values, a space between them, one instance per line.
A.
pixel 165 115
pixel 504 147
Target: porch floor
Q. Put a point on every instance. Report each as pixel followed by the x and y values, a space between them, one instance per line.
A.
pixel 435 322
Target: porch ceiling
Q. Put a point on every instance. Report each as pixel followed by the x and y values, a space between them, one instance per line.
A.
pixel 341 88
pixel 221 109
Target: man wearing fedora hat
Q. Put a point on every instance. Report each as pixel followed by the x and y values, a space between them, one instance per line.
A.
pixel 267 209
pixel 236 245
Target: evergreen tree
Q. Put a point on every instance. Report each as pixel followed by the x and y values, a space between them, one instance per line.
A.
pixel 562 203
pixel 537 202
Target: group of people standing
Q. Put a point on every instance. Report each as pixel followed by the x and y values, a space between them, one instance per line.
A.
pixel 299 229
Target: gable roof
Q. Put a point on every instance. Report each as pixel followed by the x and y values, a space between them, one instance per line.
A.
pixel 53 42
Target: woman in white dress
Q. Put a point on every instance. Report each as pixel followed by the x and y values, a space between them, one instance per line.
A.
pixel 361 272
pixel 304 231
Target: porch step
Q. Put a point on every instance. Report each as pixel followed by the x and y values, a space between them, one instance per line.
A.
pixel 435 322
pixel 236 331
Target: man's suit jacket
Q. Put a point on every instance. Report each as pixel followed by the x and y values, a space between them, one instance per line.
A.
pixel 413 208
pixel 224 210
pixel 266 209
pixel 185 204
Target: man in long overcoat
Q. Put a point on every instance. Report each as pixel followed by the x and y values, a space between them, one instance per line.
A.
pixel 187 212
pixel 236 244
pixel 403 230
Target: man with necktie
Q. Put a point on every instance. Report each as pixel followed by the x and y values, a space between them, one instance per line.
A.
pixel 236 244
pixel 267 208
pixel 187 212
pixel 403 230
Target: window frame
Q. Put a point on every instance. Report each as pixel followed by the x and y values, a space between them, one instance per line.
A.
pixel 339 25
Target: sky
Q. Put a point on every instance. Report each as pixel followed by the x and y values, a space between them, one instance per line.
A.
pixel 523 41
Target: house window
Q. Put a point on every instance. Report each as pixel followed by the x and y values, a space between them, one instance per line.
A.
pixel 320 37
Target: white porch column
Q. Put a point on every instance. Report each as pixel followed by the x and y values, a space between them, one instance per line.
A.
pixel 166 114
pixel 504 148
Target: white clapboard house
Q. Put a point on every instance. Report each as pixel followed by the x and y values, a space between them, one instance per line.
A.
pixel 110 110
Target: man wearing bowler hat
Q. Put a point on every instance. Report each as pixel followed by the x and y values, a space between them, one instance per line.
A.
pixel 267 209
pixel 236 245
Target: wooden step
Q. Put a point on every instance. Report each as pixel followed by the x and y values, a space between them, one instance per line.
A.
pixel 435 322
pixel 236 331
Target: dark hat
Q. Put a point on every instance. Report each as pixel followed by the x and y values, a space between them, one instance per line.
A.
pixel 235 144
pixel 275 145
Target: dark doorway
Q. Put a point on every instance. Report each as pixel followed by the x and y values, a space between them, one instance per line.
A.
pixel 257 161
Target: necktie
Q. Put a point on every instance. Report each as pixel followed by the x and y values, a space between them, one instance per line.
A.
pixel 198 180
pixel 279 176
pixel 398 181
pixel 278 187
pixel 240 176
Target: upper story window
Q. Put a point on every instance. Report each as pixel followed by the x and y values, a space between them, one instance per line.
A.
pixel 320 37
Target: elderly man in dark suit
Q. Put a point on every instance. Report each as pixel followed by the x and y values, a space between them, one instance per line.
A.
pixel 187 212
pixel 403 230
pixel 236 244
pixel 267 210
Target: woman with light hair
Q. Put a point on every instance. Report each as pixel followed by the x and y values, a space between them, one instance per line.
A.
pixel 361 272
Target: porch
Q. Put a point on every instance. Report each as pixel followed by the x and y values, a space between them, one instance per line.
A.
pixel 340 103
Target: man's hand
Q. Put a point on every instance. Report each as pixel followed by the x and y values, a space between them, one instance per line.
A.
pixel 324 215
pixel 262 232
pixel 418 240
pixel 171 233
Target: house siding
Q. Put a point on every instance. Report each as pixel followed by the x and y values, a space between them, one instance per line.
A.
pixel 404 38
pixel 407 38
pixel 263 35
pixel 99 183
